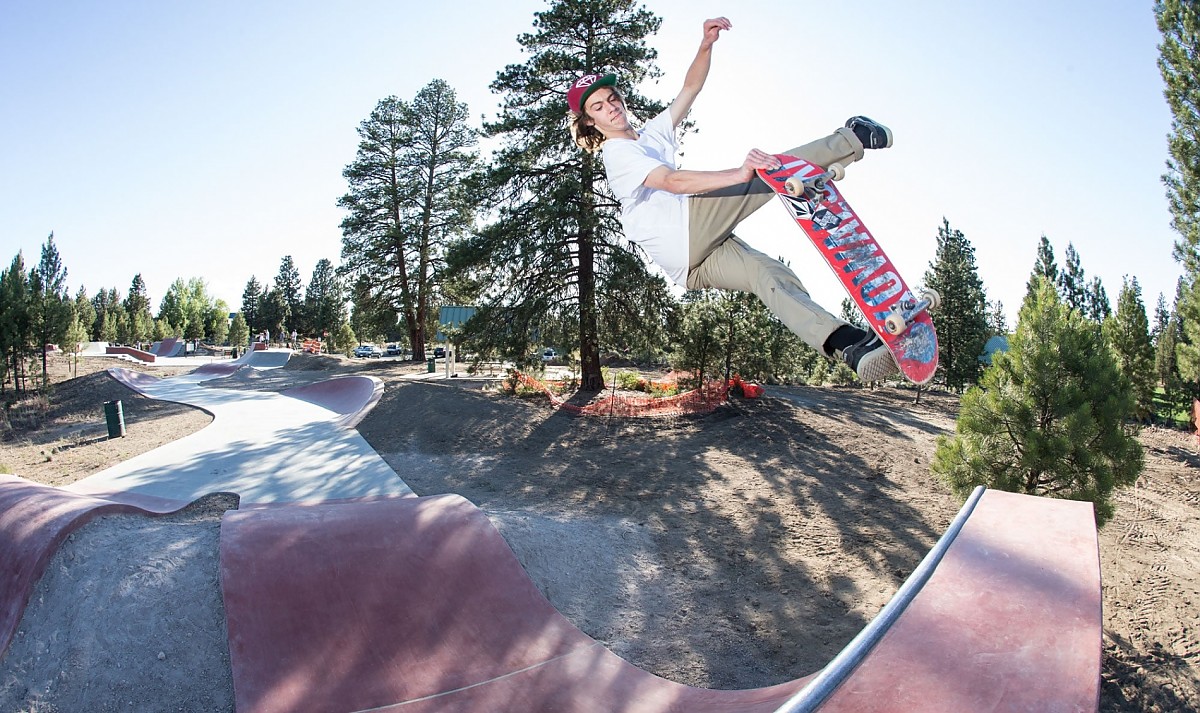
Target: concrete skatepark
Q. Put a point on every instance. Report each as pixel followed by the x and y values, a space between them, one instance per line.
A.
pixel 428 608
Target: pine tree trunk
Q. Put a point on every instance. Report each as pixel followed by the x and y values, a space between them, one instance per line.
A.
pixel 589 323
pixel 589 342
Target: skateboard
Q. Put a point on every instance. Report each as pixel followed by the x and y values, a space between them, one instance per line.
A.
pixel 900 317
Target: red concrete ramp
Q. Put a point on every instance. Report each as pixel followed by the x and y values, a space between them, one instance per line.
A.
pixel 137 381
pixel 418 603
pixel 219 368
pixel 34 520
pixel 171 347
pixel 1009 620
pixel 351 396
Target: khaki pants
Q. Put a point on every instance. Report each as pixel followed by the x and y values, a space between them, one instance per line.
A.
pixel 719 259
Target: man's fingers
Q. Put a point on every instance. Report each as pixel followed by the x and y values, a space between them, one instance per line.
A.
pixel 761 159
pixel 718 24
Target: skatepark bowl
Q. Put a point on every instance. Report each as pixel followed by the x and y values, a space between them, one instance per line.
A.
pixel 431 611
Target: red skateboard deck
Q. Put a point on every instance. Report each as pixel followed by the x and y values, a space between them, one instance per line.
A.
pixel 860 263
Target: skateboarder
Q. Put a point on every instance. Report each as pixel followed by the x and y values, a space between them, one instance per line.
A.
pixel 685 219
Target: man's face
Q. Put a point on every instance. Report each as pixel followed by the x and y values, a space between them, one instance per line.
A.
pixel 606 111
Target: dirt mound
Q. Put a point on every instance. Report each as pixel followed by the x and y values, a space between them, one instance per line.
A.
pixel 64 438
pixel 316 362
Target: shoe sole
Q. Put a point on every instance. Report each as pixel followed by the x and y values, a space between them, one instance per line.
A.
pixel 877 365
pixel 887 135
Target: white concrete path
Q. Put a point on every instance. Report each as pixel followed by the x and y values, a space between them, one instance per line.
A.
pixel 266 447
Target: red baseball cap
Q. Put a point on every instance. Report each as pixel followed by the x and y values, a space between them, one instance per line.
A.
pixel 584 86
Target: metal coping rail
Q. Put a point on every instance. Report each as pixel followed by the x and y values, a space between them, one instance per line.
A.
pixel 839 669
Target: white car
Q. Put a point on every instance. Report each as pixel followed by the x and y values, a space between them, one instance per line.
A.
pixel 549 355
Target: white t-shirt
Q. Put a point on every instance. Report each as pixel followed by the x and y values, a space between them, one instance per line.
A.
pixel 656 220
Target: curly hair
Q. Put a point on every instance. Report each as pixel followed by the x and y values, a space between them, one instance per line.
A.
pixel 587 136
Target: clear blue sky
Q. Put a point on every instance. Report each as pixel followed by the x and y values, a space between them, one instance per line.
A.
pixel 208 139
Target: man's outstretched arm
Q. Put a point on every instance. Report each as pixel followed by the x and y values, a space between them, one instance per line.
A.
pixel 697 73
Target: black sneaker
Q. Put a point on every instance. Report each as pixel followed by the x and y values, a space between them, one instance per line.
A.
pixel 870 359
pixel 872 134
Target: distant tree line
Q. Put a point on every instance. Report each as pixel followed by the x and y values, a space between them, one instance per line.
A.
pixel 37 310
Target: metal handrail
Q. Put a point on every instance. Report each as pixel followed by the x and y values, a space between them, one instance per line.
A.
pixel 811 697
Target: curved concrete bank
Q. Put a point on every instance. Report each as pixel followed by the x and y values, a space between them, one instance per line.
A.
pixel 350 396
pixel 267 448
pixel 34 521
pixel 418 604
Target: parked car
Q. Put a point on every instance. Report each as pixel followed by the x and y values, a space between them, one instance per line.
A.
pixel 368 350
pixel 394 350
pixel 549 355
pixel 439 352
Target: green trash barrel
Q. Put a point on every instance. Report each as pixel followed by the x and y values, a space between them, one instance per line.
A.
pixel 115 418
pixel 430 365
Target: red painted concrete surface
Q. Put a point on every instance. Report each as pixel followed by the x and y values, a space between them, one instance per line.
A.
pixel 133 380
pixel 219 368
pixel 1010 620
pixel 169 347
pixel 351 396
pixel 130 351
pixel 420 602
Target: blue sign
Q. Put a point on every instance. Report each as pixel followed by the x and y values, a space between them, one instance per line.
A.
pixel 453 316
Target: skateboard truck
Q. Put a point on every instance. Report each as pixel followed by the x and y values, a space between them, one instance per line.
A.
pixel 813 187
pixel 905 310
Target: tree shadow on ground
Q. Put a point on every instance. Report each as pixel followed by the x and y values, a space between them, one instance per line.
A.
pixel 780 524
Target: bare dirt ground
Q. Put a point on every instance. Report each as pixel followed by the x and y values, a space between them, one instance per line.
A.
pixel 732 550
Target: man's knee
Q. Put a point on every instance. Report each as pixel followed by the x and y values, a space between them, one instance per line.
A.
pixel 775 276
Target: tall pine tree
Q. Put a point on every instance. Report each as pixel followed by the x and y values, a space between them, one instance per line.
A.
pixel 962 317
pixel 137 306
pixel 554 250
pixel 1179 62
pixel 287 283
pixel 15 322
pixel 1072 286
pixel 411 193
pixel 1128 333
pixel 1166 366
pixel 324 300
pixel 85 310
pixel 1098 308
pixel 1044 266
pixel 252 297
pixel 51 314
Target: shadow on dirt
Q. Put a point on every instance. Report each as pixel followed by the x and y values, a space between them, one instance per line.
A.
pixel 752 509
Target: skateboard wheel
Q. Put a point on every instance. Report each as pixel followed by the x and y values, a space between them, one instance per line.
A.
pixel 794 186
pixel 837 171
pixel 934 297
pixel 894 324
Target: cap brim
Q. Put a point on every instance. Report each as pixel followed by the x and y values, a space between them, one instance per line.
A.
pixel 608 80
